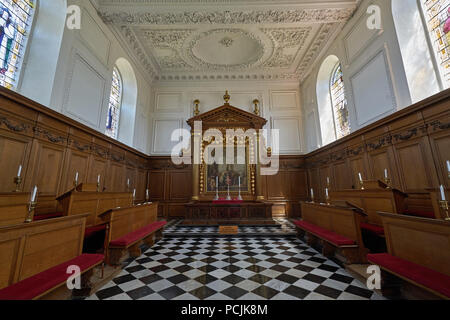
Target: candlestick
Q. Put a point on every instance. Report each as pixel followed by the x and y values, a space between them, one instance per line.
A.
pixel 147 195
pixel 31 206
pixel 444 206
pixel 19 172
pixel 387 180
pixel 328 182
pixel 442 193
pixel 239 196
pixel 217 189
pixel 228 194
pixel 361 181
pixel 98 183
pixel 134 195
pixel 128 184
pixel 34 194
pixel 17 182
pixel 75 182
pixel 448 168
pixel 327 196
pixel 312 195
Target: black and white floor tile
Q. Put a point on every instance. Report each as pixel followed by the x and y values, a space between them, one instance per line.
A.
pixel 241 268
pixel 283 228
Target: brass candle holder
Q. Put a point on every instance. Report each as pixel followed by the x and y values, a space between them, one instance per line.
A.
pixel 361 184
pixel 30 214
pixel 388 182
pixel 98 186
pixel 444 206
pixel 17 182
pixel 196 110
pixel 256 103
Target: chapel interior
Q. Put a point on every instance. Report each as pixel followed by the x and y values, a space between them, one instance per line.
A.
pixel 112 119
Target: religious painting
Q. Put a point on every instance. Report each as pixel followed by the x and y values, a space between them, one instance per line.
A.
pixel 228 175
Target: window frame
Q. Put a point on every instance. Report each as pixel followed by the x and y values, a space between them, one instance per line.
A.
pixel 330 86
pixel 25 44
pixel 431 47
pixel 120 102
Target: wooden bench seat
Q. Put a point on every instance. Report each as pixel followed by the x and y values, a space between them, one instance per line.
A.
pixel 338 229
pixel 129 228
pixel 416 265
pixel 372 228
pixel 44 282
pixel 409 271
pixel 33 256
pixel 131 238
pixel 325 234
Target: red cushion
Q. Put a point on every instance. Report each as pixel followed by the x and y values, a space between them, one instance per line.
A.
pixel 429 278
pixel 419 213
pixel 38 284
pixel 372 228
pixel 92 230
pixel 137 235
pixel 325 234
pixel 47 216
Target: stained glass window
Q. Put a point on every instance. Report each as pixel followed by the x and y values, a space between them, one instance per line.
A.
pixel 437 16
pixel 16 17
pixel 115 101
pixel 339 103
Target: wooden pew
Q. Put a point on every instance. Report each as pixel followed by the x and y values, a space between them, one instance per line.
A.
pixel 129 228
pixel 34 257
pixel 372 200
pixel 13 208
pixel 418 254
pixel 338 229
pixel 94 203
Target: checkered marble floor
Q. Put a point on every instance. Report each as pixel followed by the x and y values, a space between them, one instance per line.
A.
pixel 284 228
pixel 241 268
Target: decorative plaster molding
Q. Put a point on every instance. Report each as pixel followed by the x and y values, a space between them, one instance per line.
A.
pixel 122 17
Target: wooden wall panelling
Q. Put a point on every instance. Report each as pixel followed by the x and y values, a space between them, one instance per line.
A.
pixel 76 159
pixel 98 163
pixel 412 152
pixel 116 175
pixel 357 160
pixel 439 137
pixel 47 156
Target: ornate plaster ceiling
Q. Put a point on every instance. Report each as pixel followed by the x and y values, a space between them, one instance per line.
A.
pixel 226 39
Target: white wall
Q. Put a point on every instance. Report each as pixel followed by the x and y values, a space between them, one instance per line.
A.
pixel 173 104
pixel 80 83
pixel 374 75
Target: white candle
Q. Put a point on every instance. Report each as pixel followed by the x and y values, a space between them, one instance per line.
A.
pixel 217 182
pixel 386 173
pixel 98 179
pixel 442 193
pixel 326 192
pixel 128 182
pixel 134 193
pixel 328 180
pixel 147 195
pixel 312 193
pixel 360 177
pixel 239 182
pixel 33 195
pixel 19 172
pixel 448 165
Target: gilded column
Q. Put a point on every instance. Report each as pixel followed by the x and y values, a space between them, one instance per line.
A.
pixel 259 192
pixel 195 165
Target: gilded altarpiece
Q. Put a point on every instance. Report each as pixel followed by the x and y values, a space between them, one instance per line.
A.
pixel 204 175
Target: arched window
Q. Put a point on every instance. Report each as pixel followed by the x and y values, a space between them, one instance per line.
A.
pixel 115 102
pixel 332 101
pixel 437 18
pixel 16 17
pixel 339 103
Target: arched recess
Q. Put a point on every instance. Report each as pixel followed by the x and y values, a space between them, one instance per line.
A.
pixel 417 58
pixel 39 67
pixel 327 127
pixel 129 100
